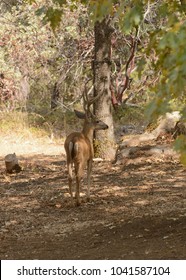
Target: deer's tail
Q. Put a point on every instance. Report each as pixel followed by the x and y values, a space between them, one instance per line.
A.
pixel 73 149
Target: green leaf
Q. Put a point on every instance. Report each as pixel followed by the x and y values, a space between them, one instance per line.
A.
pixel 132 17
pixel 54 17
pixel 168 41
pixel 100 9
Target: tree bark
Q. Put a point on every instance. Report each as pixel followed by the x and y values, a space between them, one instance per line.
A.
pixel 24 89
pixel 104 140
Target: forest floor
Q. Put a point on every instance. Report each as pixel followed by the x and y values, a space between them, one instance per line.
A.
pixel 137 208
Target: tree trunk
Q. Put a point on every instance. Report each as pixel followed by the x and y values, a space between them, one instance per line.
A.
pixel 11 163
pixel 24 88
pixel 55 96
pixel 104 140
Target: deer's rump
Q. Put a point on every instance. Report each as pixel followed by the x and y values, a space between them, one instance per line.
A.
pixel 79 146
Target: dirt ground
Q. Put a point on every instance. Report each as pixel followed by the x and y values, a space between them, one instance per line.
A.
pixel 137 208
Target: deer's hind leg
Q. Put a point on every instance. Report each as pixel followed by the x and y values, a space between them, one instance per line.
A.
pixel 89 170
pixel 79 174
pixel 69 168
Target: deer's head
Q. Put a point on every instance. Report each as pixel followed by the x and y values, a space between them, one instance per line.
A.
pixel 91 121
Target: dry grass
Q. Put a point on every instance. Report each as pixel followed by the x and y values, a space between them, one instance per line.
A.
pixel 17 135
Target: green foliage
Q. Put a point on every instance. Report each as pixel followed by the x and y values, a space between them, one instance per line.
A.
pixel 168 45
pixel 130 115
pixel 132 17
pixel 53 16
pixel 100 9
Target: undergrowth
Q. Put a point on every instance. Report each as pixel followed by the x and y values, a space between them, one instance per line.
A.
pixel 53 125
pixel 57 124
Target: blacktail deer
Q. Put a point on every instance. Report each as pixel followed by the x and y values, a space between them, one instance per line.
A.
pixel 79 148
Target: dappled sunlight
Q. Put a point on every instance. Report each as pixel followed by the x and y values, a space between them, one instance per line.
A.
pixel 36 202
pixel 18 202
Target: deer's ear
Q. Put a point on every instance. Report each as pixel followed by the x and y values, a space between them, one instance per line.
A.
pixel 79 114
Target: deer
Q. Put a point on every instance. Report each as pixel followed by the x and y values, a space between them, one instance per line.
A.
pixel 79 148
